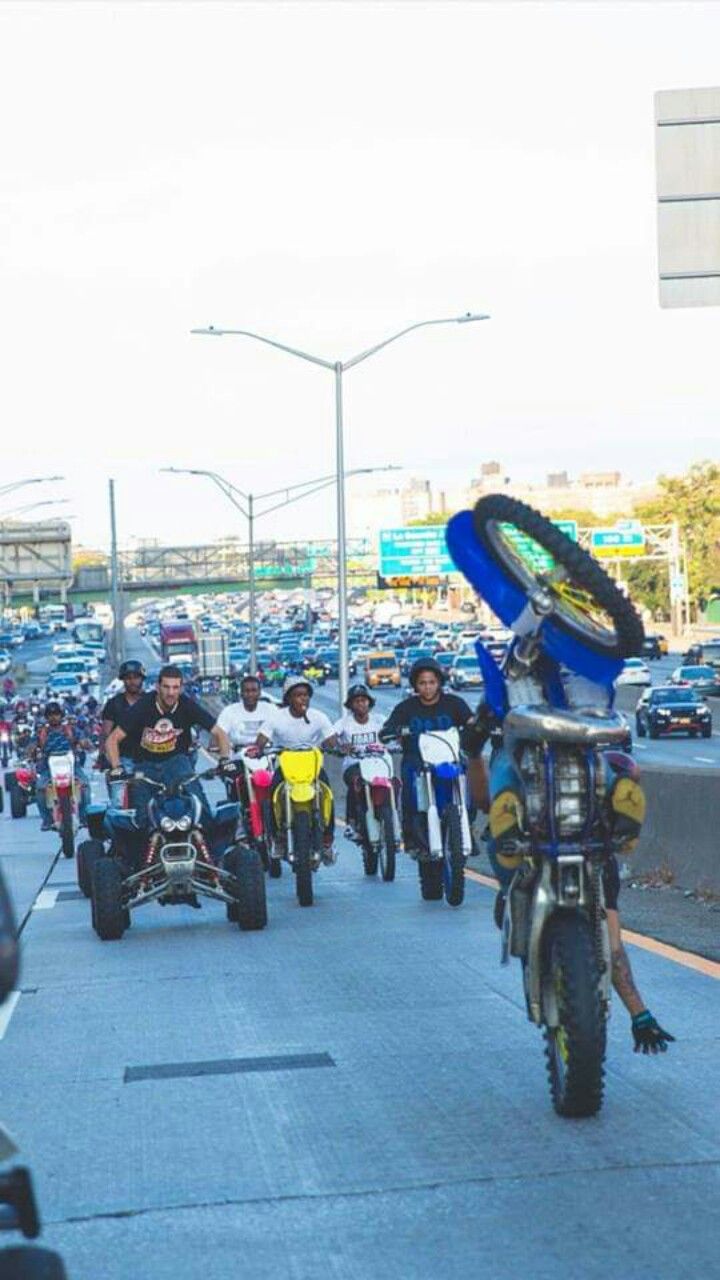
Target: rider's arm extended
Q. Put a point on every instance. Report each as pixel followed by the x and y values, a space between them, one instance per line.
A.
pixel 112 746
pixel 648 1035
pixel 219 735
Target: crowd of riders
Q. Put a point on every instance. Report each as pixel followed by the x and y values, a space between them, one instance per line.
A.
pixel 154 733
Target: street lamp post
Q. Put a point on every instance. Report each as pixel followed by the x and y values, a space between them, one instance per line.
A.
pixel 20 484
pixel 338 367
pixel 245 504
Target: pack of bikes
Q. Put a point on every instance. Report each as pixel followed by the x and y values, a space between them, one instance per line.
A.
pixel 565 614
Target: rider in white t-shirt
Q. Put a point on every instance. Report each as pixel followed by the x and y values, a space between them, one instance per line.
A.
pixel 358 728
pixel 243 720
pixel 295 725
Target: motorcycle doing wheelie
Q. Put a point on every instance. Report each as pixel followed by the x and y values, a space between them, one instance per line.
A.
pixel 177 862
pixel 250 782
pixel 377 822
pixel 440 816
pixel 302 812
pixel 554 740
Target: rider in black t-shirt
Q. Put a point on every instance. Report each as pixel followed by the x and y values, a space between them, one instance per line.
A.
pixel 159 726
pixel 115 711
pixel 427 708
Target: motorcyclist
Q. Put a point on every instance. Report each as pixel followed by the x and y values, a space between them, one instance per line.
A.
pixel 242 720
pixel 358 728
pixel 625 803
pixel 159 725
pixel 293 726
pixel 58 737
pixel 427 708
pixel 115 712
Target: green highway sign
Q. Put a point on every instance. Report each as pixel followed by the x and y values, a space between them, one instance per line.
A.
pixel 416 551
pixel 530 551
pixel 621 541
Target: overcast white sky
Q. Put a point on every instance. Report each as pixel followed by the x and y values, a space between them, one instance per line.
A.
pixel 326 174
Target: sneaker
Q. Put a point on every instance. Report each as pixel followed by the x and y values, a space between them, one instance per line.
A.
pixel 349 832
pixel 499 908
pixel 627 804
pixel 329 855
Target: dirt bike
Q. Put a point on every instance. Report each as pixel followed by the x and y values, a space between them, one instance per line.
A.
pixel 302 812
pixel 5 746
pixel 177 862
pixel 251 786
pixel 439 804
pixel 572 629
pixel 63 799
pixel 377 824
pixel 21 783
pixel 18 1208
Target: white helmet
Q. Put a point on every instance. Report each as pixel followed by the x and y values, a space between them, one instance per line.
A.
pixel 295 682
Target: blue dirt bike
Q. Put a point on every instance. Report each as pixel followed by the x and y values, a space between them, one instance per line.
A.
pixel 558 749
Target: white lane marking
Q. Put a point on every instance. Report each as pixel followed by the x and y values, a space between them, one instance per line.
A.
pixel 46 900
pixel 7 1011
pixel 704 759
pixel 641 746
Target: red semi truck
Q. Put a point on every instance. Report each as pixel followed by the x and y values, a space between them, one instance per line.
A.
pixel 178 642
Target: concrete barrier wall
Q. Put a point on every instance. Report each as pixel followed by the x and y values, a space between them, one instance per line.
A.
pixel 682 827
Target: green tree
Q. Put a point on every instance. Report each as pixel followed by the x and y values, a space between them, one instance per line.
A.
pixel 693 500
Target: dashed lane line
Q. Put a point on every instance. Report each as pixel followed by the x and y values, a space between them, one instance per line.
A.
pixel 45 900
pixel 704 760
pixel 688 959
pixel 7 1011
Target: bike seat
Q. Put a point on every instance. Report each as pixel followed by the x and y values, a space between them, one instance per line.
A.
pixel 559 725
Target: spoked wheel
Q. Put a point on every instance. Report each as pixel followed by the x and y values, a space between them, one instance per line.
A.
pixel 431 879
pixel 575 1049
pixel 388 845
pixel 302 840
pixel 67 835
pixel 534 553
pixel 454 860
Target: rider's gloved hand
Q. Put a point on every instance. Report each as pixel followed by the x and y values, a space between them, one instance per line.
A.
pixel 649 1035
pixel 116 775
pixel 252 751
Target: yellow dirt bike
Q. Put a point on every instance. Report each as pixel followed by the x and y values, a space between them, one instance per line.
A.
pixel 303 811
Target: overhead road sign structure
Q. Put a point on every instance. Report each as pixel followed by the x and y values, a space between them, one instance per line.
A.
pixel 687 147
pixel 611 543
pixel 415 551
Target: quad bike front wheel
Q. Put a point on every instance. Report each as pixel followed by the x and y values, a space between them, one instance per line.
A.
pixel 533 552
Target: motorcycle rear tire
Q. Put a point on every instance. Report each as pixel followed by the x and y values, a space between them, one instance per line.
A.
pixel 431 879
pixel 31 1263
pixel 575 1051
pixel 622 638
pixel 18 803
pixel 388 847
pixel 107 904
pixel 302 841
pixel 67 834
pixel 454 860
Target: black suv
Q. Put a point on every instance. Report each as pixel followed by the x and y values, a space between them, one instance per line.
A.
pixel 672 710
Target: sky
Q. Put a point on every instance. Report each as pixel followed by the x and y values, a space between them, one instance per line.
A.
pixel 327 174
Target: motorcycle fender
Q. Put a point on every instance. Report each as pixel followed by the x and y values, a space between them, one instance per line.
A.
pixel 379 789
pixel 302 792
pixel 543 905
pixel 326 803
pixel 255 816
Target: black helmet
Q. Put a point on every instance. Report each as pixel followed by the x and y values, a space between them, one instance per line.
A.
pixel 358 691
pixel 131 668
pixel 53 709
pixel 425 664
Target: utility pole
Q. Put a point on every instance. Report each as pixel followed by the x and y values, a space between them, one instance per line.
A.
pixel 118 645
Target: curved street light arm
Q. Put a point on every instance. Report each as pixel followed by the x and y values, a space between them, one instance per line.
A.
pixel 211 331
pixel 422 324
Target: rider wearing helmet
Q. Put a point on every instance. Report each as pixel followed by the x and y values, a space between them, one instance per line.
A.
pixel 358 728
pixel 427 708
pixel 295 725
pixel 115 712
pixel 57 737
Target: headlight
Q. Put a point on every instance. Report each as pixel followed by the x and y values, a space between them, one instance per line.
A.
pixel 183 824
pixel 663 711
pixel 167 824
